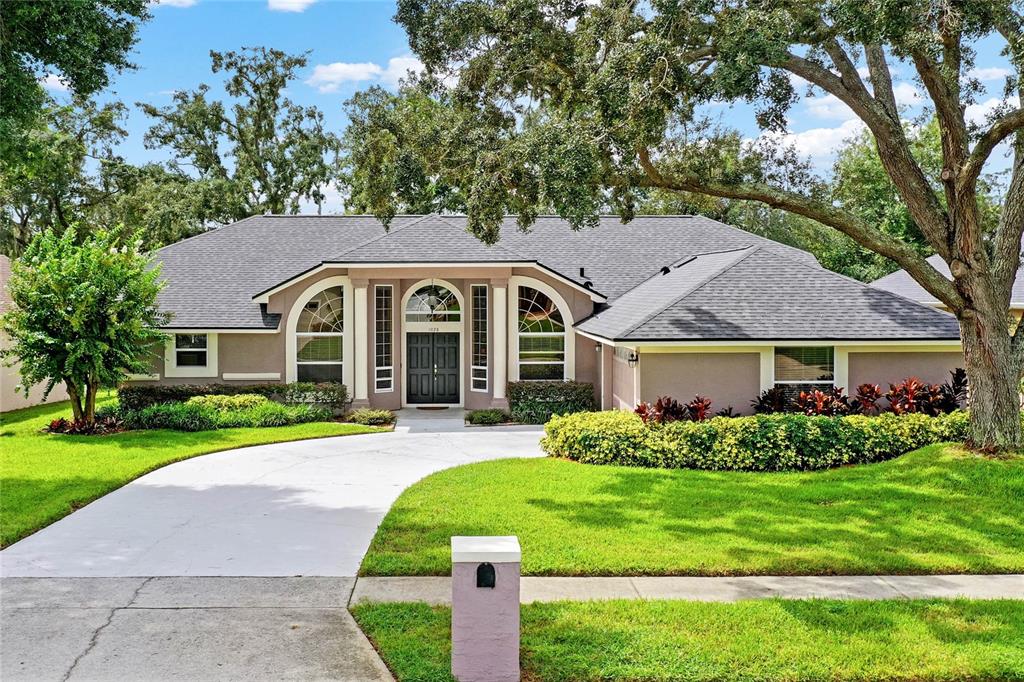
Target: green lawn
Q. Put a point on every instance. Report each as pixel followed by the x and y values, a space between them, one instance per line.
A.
pixel 44 477
pixel 935 510
pixel 752 640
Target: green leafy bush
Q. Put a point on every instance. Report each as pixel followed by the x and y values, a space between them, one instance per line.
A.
pixel 488 416
pixel 370 417
pixel 222 403
pixel 534 402
pixel 198 416
pixel 332 395
pixel 764 442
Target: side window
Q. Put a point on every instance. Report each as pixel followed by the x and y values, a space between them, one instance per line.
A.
pixel 190 350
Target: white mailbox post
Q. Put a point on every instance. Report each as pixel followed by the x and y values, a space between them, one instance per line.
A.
pixel 485 608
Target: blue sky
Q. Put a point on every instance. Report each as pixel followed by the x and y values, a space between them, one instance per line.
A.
pixel 355 44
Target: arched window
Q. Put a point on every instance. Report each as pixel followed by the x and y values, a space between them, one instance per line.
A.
pixel 319 337
pixel 433 303
pixel 541 337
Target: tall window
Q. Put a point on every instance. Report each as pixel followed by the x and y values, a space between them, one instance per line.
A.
pixel 804 368
pixel 541 337
pixel 190 350
pixel 479 365
pixel 433 303
pixel 319 335
pixel 384 371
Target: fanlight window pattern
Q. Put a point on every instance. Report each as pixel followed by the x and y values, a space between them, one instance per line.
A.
pixel 541 337
pixel 319 333
pixel 433 303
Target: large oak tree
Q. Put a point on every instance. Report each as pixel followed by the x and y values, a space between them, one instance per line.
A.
pixel 577 105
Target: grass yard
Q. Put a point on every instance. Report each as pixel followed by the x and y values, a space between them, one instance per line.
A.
pixel 752 640
pixel 935 510
pixel 44 477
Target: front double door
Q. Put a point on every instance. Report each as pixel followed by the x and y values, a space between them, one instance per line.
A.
pixel 432 367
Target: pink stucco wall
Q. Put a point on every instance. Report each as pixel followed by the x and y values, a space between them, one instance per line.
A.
pixel 726 378
pixel 623 388
pixel 886 368
pixel 485 624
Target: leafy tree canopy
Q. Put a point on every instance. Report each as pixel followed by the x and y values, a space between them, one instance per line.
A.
pixel 267 151
pixel 84 314
pixel 79 41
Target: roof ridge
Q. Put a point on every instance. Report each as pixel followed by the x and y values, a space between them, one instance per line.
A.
pixel 209 232
pixel 387 232
pixel 699 285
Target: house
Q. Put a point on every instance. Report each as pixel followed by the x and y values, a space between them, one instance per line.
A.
pixel 10 397
pixel 903 284
pixel 426 314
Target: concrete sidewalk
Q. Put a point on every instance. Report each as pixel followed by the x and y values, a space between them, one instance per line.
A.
pixel 437 590
pixel 193 629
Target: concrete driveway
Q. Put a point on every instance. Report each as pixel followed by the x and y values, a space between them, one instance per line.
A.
pixel 230 566
pixel 308 508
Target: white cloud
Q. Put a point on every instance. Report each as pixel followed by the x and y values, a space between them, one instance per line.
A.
pixel 979 113
pixel 330 77
pixel 54 83
pixel 289 5
pixel 906 94
pixel 991 73
pixel 828 106
pixel 818 144
pixel 172 3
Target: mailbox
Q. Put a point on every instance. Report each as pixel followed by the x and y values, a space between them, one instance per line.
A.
pixel 485 609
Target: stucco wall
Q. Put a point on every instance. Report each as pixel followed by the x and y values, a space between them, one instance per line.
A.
pixel 886 368
pixel 10 399
pixel 726 378
pixel 623 390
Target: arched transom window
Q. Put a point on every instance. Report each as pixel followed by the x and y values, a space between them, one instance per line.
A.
pixel 433 303
pixel 541 337
pixel 320 333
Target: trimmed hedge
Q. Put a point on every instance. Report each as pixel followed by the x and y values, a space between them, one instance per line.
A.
pixel 488 417
pixel 771 442
pixel 370 417
pixel 223 403
pixel 137 397
pixel 197 416
pixel 534 402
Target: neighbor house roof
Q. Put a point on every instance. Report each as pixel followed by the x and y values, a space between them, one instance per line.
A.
pixel 213 278
pixel 758 295
pixel 903 284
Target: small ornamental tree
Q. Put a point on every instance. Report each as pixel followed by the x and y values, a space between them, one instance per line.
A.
pixel 84 314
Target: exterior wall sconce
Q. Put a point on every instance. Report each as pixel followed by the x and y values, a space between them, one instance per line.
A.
pixel 634 359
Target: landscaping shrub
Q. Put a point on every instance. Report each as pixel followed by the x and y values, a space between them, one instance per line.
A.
pixel 534 402
pixel 177 417
pixel 332 395
pixel 488 416
pixel 370 417
pixel 198 416
pixel 764 442
pixel 222 403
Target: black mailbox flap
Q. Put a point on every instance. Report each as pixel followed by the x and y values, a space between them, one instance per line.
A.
pixel 485 575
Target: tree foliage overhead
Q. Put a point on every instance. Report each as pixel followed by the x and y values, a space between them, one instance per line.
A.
pixel 268 152
pixel 84 315
pixel 577 105
pixel 79 41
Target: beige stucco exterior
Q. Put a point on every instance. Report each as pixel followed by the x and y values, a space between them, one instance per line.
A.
pixel 728 379
pixel 883 368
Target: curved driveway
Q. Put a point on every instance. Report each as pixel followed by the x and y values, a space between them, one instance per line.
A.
pixel 307 508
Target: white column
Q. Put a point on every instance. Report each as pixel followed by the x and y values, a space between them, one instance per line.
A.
pixel 500 355
pixel 361 329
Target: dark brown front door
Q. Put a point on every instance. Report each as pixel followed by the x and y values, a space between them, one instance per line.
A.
pixel 432 367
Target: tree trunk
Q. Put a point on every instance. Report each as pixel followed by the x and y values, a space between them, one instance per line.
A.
pixel 90 401
pixel 75 397
pixel 993 374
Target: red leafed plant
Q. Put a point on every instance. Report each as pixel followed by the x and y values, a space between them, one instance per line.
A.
pixel 829 403
pixel 699 408
pixel 913 395
pixel 102 425
pixel 866 400
pixel 664 410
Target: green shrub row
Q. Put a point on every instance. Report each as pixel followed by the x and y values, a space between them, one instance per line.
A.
pixel 199 416
pixel 223 403
pixel 770 442
pixel 489 416
pixel 534 402
pixel 371 417
pixel 332 395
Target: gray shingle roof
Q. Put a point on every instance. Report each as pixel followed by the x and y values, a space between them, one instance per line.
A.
pixel 212 278
pixel 903 284
pixel 763 296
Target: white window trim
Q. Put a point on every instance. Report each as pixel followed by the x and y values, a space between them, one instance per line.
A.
pixel 487 340
pixel 516 281
pixel 347 350
pixel 172 370
pixel 379 368
pixel 835 369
